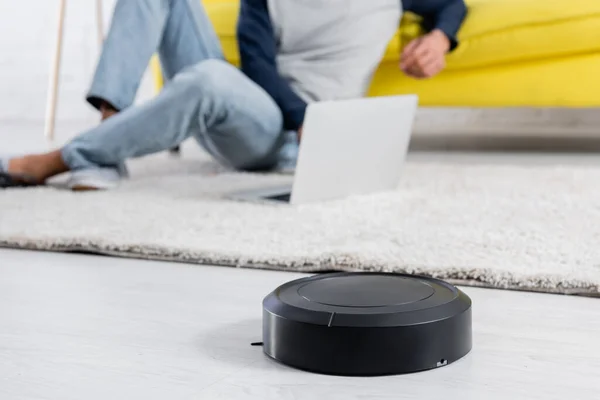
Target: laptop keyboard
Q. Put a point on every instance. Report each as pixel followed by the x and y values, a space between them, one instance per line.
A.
pixel 284 197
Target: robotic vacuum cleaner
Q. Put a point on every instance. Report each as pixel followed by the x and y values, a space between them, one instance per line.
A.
pixel 366 324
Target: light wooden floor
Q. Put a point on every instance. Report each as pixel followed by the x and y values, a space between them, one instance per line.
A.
pixel 86 327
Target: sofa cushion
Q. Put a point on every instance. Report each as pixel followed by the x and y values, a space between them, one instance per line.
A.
pixel 495 32
pixel 553 82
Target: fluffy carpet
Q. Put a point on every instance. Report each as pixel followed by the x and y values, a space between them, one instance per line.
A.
pixel 533 228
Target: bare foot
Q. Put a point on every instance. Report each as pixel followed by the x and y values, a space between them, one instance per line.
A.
pixel 39 167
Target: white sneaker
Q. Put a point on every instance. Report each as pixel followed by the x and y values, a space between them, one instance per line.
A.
pixel 288 154
pixel 94 179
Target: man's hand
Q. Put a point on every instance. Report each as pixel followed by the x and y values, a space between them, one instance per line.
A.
pixel 425 57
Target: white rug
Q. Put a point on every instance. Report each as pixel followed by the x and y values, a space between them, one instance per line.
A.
pixel 527 228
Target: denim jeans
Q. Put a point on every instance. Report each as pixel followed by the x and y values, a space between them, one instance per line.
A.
pixel 204 97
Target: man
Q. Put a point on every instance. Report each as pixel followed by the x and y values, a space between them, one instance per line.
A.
pixel 293 52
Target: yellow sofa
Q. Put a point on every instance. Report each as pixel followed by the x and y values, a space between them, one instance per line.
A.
pixel 535 53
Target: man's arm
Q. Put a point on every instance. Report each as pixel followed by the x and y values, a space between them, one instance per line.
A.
pixel 258 52
pixel 444 15
pixel 425 56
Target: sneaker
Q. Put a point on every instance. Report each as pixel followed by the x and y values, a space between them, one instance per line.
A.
pixel 95 179
pixel 287 157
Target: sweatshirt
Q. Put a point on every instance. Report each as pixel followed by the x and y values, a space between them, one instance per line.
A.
pixel 301 51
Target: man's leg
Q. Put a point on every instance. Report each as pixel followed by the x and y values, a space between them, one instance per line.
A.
pixel 183 35
pixel 232 117
pixel 178 29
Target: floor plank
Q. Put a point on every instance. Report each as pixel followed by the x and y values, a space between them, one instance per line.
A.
pixel 77 326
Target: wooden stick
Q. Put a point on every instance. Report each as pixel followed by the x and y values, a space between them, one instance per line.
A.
pixel 100 22
pixel 55 75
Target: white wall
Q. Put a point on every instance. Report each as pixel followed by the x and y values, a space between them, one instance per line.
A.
pixel 27 39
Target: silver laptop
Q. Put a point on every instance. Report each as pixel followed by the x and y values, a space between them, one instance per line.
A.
pixel 348 148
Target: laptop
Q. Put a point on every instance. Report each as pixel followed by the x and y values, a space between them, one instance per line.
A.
pixel 348 148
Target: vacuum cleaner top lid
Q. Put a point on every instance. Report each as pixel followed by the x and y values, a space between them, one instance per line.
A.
pixel 366 300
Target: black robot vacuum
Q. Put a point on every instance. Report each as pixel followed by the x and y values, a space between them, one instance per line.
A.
pixel 366 324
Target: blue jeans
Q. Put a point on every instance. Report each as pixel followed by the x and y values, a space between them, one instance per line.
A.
pixel 206 98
